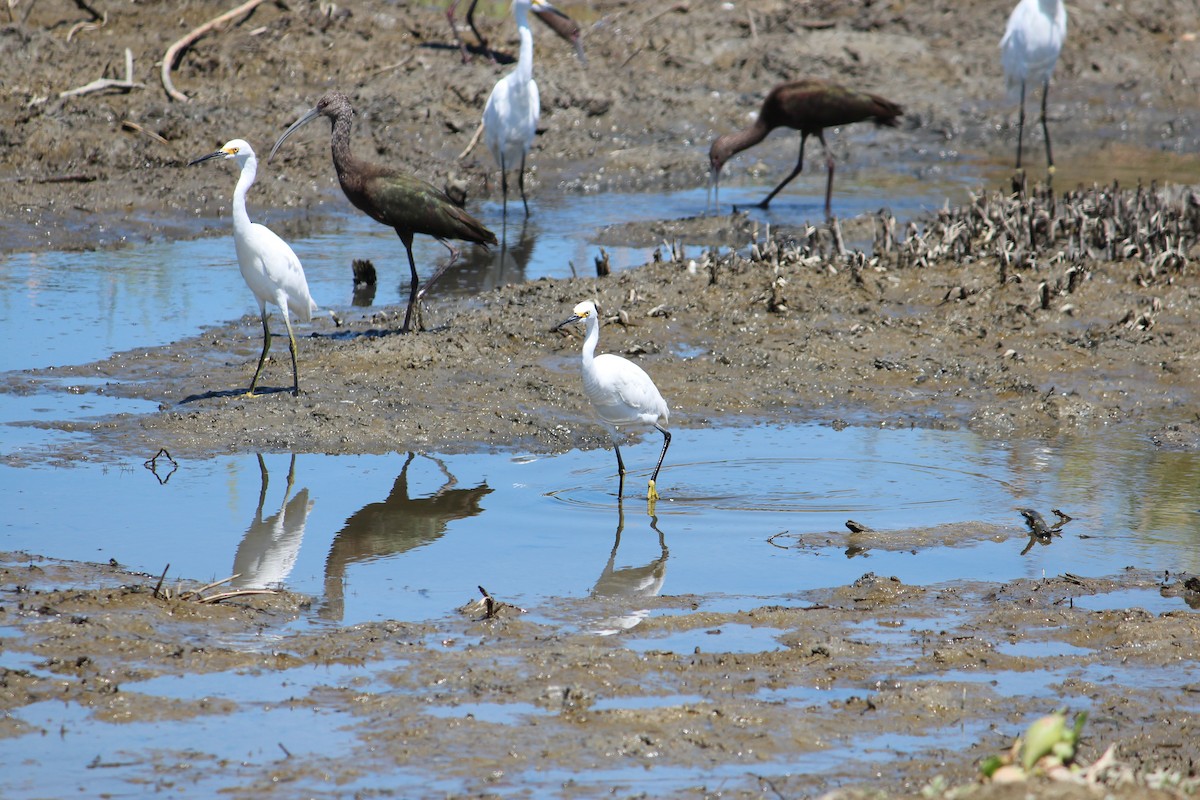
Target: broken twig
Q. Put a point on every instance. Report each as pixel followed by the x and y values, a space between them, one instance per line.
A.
pixel 100 84
pixel 174 51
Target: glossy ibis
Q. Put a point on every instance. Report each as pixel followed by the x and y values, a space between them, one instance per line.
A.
pixel 809 105
pixel 510 118
pixel 269 267
pixel 393 198
pixel 620 391
pixel 554 19
pixel 1029 50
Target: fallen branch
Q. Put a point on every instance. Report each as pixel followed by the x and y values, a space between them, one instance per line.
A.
pixel 174 51
pixel 130 125
pixel 472 143
pixel 100 84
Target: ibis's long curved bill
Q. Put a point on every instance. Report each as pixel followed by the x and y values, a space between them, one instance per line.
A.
pixel 217 154
pixel 711 197
pixel 561 24
pixel 308 117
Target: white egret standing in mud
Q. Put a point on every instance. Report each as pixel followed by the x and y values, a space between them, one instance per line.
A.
pixel 510 118
pixel 620 391
pixel 809 105
pixel 1029 50
pixel 269 267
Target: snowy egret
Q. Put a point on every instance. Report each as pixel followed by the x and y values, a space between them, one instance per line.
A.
pixel 556 20
pixel 510 118
pixel 808 105
pixel 393 198
pixel 269 267
pixel 620 391
pixel 1029 50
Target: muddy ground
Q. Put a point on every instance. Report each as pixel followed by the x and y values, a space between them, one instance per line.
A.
pixel 1032 318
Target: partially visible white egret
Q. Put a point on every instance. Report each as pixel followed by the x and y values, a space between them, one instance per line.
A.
pixel 510 118
pixel 621 392
pixel 269 267
pixel 1029 50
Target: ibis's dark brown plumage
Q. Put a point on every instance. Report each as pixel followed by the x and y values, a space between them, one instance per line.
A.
pixel 809 105
pixel 556 20
pixel 386 195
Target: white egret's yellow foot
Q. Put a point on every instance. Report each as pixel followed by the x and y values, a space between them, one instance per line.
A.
pixel 651 492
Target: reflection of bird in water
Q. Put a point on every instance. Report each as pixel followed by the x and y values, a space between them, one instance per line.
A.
pixel 556 20
pixel 630 583
pixel 269 549
pixel 810 106
pixel 621 392
pixel 269 266
pixel 1029 50
pixel 391 197
pixel 510 117
pixel 396 525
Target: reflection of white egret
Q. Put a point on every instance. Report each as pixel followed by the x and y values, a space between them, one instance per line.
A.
pixel 269 267
pixel 270 547
pixel 1029 50
pixel 620 391
pixel 396 525
pixel 630 583
pixel 510 118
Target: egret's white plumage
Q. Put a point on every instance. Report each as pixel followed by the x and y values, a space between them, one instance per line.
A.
pixel 620 391
pixel 268 265
pixel 1029 50
pixel 510 118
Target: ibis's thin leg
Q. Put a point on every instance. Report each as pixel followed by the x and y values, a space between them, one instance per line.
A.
pixel 788 179
pixel 262 359
pixel 407 238
pixel 829 176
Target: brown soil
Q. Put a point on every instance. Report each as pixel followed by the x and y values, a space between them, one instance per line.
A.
pixel 1013 318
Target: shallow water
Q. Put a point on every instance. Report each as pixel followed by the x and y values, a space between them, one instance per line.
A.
pixel 71 308
pixel 411 536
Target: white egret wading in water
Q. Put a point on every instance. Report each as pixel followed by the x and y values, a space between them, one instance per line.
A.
pixel 1029 50
pixel 620 391
pixel 269 267
pixel 510 118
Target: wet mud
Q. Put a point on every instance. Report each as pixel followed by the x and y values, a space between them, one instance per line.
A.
pixel 1038 316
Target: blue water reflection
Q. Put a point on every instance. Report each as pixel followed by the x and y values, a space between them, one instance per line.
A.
pixel 83 307
pixel 411 536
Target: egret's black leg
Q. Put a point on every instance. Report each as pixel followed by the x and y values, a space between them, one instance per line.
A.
pixel 292 349
pixel 521 183
pixel 1021 125
pixel 620 471
pixel 1046 129
pixel 262 359
pixel 652 492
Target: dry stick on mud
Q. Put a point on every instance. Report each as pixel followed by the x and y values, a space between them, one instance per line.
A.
pixel 100 84
pixel 174 51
